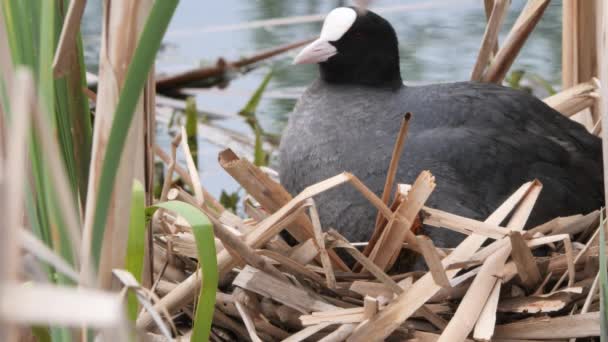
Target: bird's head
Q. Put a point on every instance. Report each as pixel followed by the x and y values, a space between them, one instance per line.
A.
pixel 355 47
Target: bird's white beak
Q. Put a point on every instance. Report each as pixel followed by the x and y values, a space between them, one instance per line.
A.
pixel 316 52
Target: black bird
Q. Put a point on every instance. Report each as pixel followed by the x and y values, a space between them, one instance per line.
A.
pixel 481 141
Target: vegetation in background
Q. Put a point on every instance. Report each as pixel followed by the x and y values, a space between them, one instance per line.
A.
pixel 230 200
pixel 515 78
pixel 192 127
pixel 249 113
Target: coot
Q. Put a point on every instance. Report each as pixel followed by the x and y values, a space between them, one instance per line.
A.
pixel 481 141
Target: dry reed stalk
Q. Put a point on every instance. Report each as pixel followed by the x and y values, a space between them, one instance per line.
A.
pixel 579 50
pixel 484 328
pixel 489 43
pixel 320 243
pixel 13 191
pixel 186 78
pixel 394 164
pixel 210 201
pixel 192 170
pixel 170 168
pixel 22 303
pixel 433 261
pixel 574 99
pixel 249 324
pixel 341 242
pixel 300 299
pixel 293 267
pixel 524 261
pixel 401 308
pixel 339 334
pixel 488 6
pixel 486 279
pixel 569 43
pixel 270 194
pixel 240 248
pixel 122 24
pixel 307 332
pixel 603 76
pixel 520 31
pixel 439 218
pixel 582 325
pixel 146 176
pixel 400 195
pixel 389 244
pixel 67 40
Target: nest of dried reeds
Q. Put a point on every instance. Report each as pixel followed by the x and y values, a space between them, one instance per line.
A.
pixel 490 287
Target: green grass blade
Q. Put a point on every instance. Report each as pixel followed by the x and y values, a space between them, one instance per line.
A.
pixel 254 101
pixel 205 245
pixel 137 75
pixel 260 157
pixel 136 243
pixel 41 334
pixel 192 128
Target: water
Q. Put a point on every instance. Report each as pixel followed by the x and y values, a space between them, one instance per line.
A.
pixel 439 41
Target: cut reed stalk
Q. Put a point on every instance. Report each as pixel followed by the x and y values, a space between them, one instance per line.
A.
pixel 520 31
pixel 489 42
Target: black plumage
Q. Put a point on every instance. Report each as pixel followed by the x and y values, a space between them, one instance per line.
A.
pixel 480 141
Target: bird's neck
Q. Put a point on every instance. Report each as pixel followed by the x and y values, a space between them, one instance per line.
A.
pixel 380 75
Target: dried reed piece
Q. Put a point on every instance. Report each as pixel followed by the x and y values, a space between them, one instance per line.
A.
pixel 234 243
pixel 292 266
pixel 433 261
pixel 484 282
pixel 249 324
pixel 489 42
pixel 12 208
pixel 394 164
pixel 320 243
pixel 339 334
pixel 578 257
pixel 307 332
pixel 575 326
pixel 194 175
pixel 520 31
pixel 257 281
pixel 270 194
pixel 170 168
pixel 524 261
pixel 22 303
pixel 573 99
pixel 341 242
pixel 439 218
pixel 484 329
pixel 391 317
pixel 389 245
pixel 67 40
pixel 488 6
pixel 580 50
pixel 400 196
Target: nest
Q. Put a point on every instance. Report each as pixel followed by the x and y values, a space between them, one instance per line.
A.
pixel 490 287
